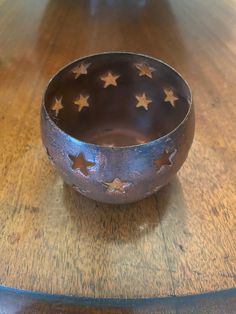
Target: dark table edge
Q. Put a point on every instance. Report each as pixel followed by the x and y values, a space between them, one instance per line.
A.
pixel 114 302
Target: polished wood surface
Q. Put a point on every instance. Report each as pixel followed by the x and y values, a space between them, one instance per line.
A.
pixel 180 241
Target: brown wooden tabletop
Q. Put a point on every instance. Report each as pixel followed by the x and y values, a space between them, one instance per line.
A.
pixel 178 242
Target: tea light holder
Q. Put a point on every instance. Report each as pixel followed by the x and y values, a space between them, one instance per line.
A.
pixel 117 126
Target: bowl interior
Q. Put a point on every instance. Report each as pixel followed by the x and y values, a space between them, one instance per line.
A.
pixel 117 99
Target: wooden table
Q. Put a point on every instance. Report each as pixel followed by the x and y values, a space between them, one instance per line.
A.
pixel 178 242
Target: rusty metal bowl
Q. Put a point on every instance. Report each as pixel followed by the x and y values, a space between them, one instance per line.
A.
pixel 117 126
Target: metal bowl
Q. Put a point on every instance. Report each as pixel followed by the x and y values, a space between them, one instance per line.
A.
pixel 117 126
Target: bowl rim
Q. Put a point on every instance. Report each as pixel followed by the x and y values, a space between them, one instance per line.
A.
pixel 76 140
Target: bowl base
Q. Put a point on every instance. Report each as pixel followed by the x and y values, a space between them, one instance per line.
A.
pixel 116 137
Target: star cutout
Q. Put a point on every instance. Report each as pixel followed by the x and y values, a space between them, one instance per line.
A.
pixel 143 101
pixel 81 102
pixel 109 79
pixel 144 69
pixel 57 105
pixel 165 159
pixel 117 185
pixel 80 163
pixel 81 69
pixel 170 97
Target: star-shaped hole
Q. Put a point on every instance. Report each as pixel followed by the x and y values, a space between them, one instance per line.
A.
pixel 81 69
pixel 81 163
pixel 109 79
pixel 144 69
pixel 57 106
pixel 117 186
pixel 170 96
pixel 166 159
pixel 143 101
pixel 82 102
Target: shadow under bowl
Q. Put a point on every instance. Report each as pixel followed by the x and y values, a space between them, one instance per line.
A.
pixel 117 126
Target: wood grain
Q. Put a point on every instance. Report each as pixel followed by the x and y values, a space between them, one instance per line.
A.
pixel 180 241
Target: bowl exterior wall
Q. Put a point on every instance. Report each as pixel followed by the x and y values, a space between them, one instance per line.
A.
pixel 122 174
